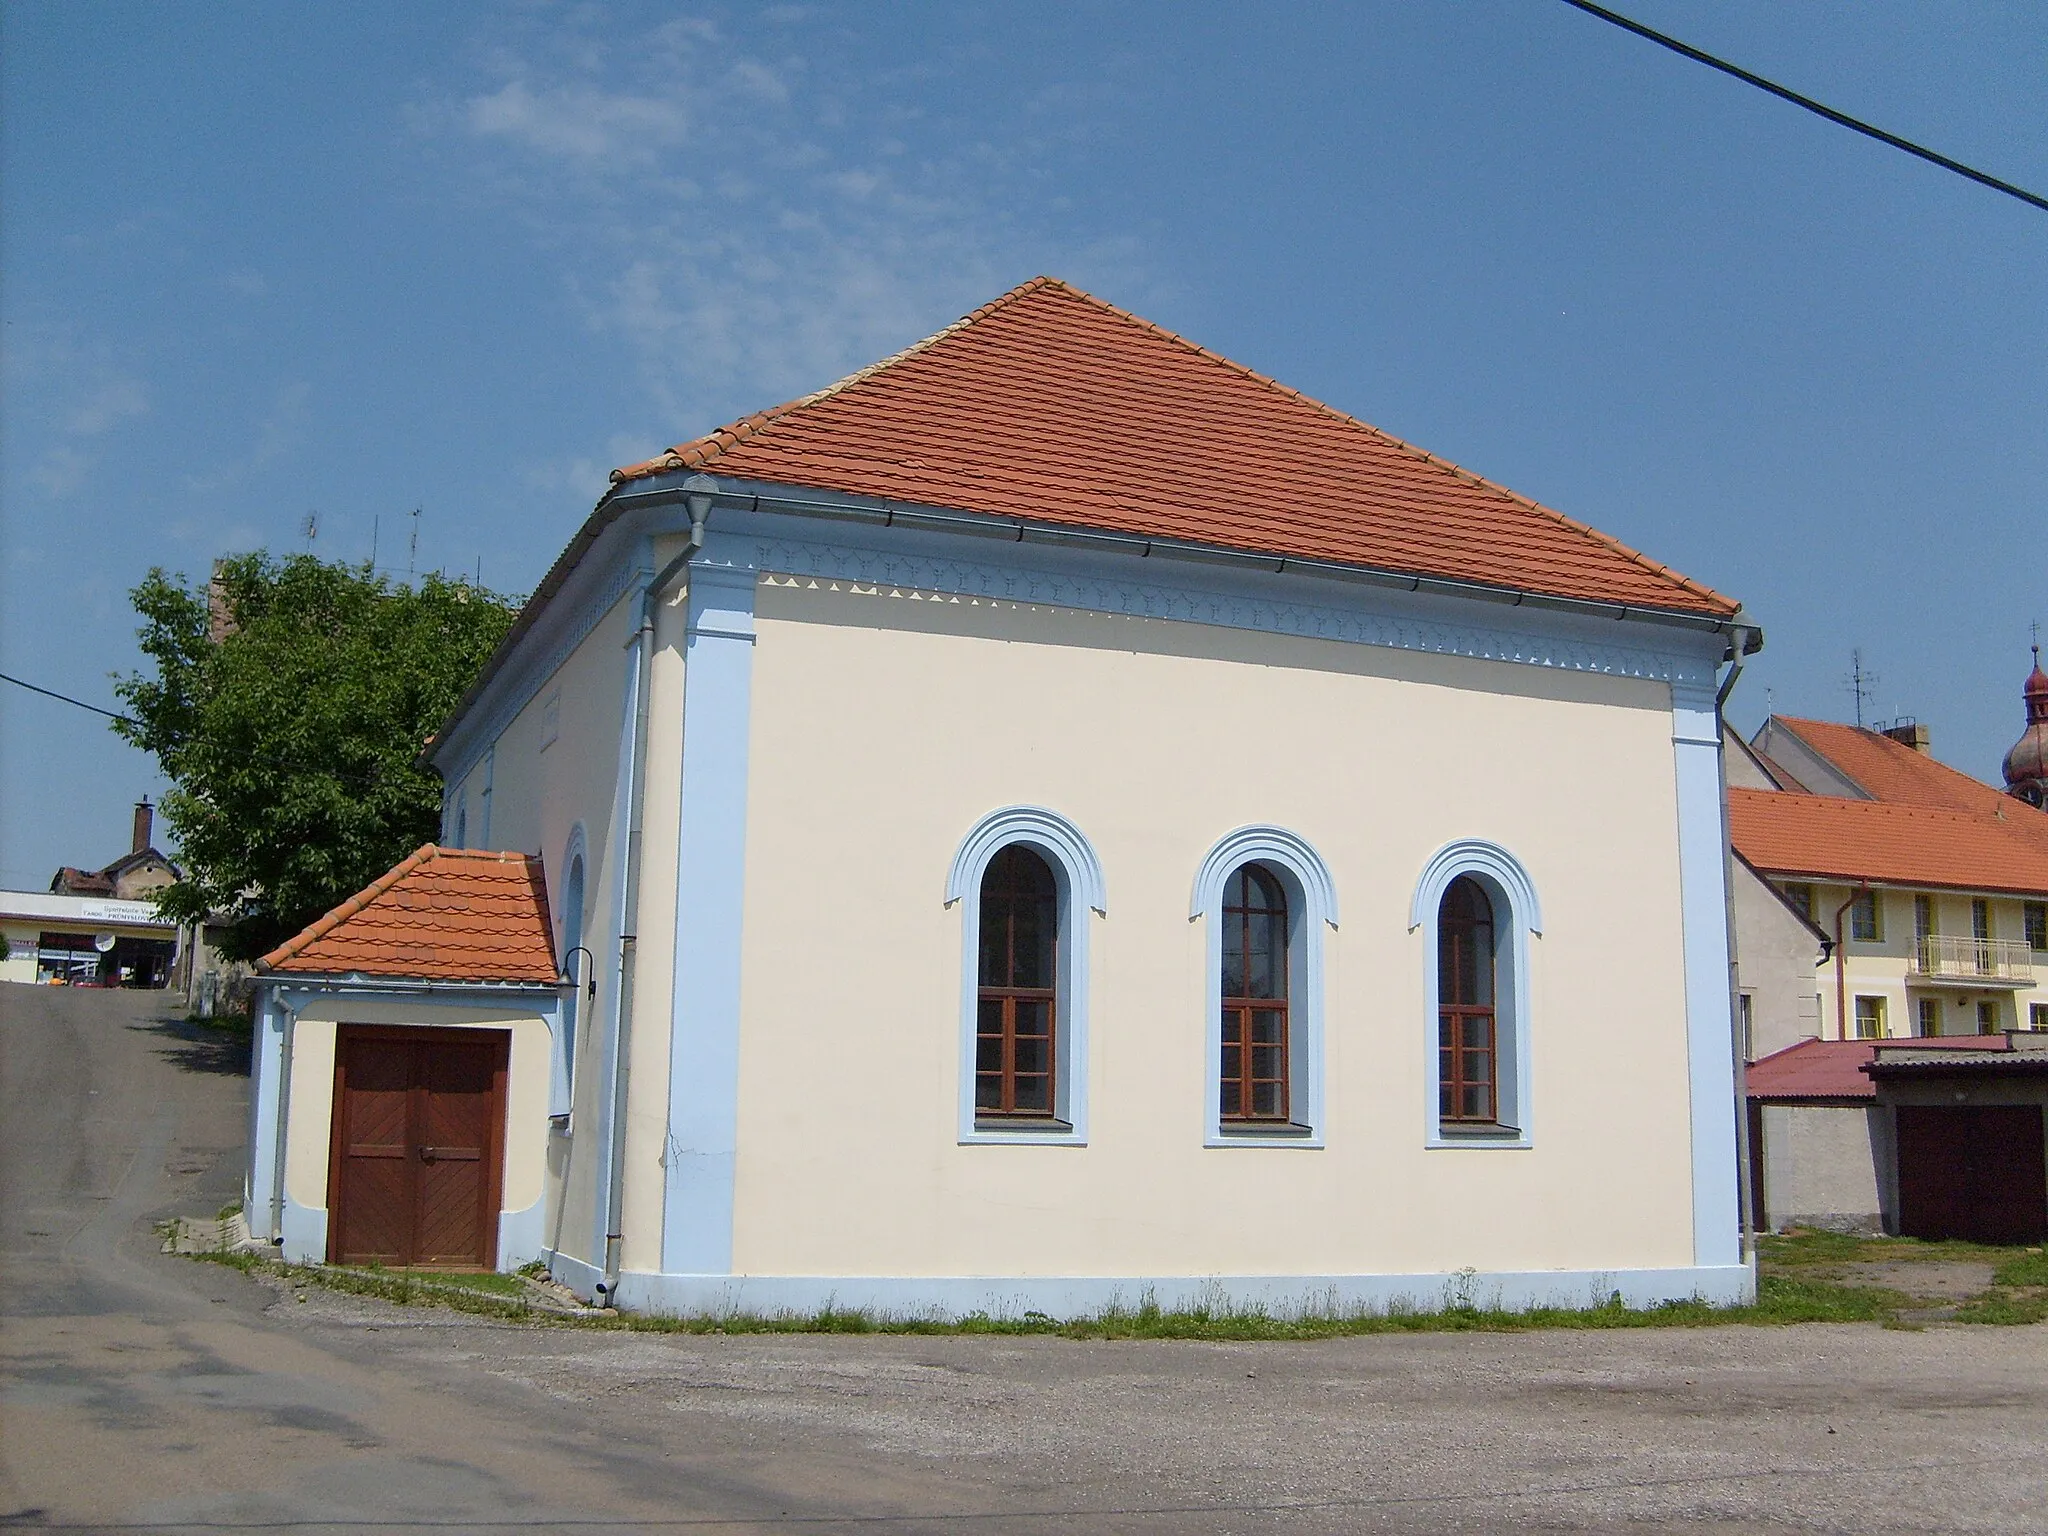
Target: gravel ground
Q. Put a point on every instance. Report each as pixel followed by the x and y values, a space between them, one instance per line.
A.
pixel 146 1391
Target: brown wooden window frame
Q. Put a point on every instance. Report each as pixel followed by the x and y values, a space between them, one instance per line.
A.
pixel 1456 1053
pixel 1239 1013
pixel 1009 997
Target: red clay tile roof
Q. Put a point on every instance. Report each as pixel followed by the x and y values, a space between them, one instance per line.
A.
pixel 1833 1069
pixel 1051 405
pixel 1830 838
pixel 1892 771
pixel 441 914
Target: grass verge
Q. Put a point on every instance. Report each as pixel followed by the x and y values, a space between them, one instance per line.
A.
pixel 1780 1300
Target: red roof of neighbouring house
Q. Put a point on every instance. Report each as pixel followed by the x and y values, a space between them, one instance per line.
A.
pixel 1826 837
pixel 441 914
pixel 1053 406
pixel 1894 772
pixel 1833 1069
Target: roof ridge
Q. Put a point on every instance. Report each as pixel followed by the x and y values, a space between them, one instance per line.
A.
pixel 320 927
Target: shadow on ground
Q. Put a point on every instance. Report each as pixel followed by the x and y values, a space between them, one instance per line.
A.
pixel 220 1047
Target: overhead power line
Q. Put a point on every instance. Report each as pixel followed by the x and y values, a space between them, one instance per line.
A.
pixel 1815 107
pixel 51 693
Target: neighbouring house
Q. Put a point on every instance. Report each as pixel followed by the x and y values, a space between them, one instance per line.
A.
pixel 1054 818
pixel 1929 887
pixel 1919 1138
pixel 1928 892
pixel 86 941
pixel 135 876
pixel 95 927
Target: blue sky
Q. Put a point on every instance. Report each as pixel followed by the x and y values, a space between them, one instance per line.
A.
pixel 261 260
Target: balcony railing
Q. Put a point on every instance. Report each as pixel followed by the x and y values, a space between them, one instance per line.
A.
pixel 1985 962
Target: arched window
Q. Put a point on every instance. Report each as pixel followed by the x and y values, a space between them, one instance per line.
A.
pixel 1253 1072
pixel 1476 909
pixel 1026 882
pixel 1467 1052
pixel 562 1087
pixel 1265 895
pixel 1015 1041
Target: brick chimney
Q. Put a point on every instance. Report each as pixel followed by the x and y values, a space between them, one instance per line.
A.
pixel 145 825
pixel 1912 734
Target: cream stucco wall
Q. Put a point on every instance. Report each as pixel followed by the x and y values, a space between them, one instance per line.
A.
pixel 885 725
pixel 311 1111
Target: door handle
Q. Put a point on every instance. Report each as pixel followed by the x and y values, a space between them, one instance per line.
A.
pixel 427 1154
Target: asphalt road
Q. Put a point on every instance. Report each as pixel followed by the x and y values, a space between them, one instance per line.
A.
pixel 147 1392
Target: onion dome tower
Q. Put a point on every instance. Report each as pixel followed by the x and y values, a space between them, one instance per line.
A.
pixel 2026 765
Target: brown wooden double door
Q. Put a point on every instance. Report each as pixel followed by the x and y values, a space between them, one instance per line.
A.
pixel 417 1146
pixel 1972 1171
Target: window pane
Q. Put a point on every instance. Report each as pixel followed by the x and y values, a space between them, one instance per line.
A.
pixel 988 1091
pixel 1034 1094
pixel 1465 944
pixel 1233 952
pixel 1266 1100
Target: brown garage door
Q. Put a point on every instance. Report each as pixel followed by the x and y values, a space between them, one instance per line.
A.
pixel 417 1145
pixel 1972 1171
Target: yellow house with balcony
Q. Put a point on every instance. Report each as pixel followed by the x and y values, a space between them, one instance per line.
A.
pixel 1932 888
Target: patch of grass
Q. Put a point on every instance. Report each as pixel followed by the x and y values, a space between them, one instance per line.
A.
pixel 1792 1250
pixel 1780 1300
pixel 461 1279
pixel 2028 1268
pixel 2005 1308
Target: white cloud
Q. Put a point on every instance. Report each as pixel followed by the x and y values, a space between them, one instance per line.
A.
pixel 280 430
pixel 579 121
pixel 747 227
pixel 65 393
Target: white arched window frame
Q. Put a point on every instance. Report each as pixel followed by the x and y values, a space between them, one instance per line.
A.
pixel 1517 918
pixel 574 915
pixel 1078 873
pixel 1311 907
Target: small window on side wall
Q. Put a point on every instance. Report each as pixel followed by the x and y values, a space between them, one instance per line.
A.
pixel 1866 919
pixel 1467 1023
pixel 1016 1045
pixel 1027 886
pixel 2035 917
pixel 1870 1018
pixel 1253 1075
pixel 1477 911
pixel 1265 898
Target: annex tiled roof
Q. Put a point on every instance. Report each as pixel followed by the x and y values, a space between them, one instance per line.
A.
pixel 440 914
pixel 1833 1069
pixel 1053 406
pixel 1830 838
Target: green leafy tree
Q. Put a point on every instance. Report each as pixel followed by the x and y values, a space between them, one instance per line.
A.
pixel 289 707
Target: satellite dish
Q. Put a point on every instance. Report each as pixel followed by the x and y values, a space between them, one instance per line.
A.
pixel 103 942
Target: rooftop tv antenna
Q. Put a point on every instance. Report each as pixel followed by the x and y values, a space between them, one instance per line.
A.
pixel 1861 682
pixel 375 519
pixel 309 529
pixel 412 553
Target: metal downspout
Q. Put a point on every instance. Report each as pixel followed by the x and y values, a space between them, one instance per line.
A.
pixel 698 492
pixel 1745 1174
pixel 284 1111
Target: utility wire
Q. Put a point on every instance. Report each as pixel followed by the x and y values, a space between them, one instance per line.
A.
pixel 51 693
pixel 1797 100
